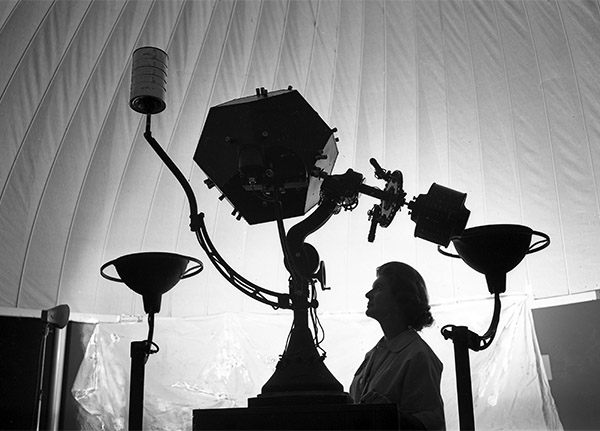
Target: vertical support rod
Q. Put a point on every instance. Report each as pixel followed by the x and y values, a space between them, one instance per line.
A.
pixel 139 354
pixel 460 338
pixel 37 417
pixel 56 379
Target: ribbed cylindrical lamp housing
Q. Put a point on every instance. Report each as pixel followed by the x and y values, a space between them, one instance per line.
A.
pixel 149 80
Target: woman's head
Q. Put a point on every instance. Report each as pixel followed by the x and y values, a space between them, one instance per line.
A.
pixel 408 292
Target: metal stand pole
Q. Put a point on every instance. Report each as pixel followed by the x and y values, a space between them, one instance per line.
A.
pixel 40 379
pixel 139 355
pixel 460 339
pixel 465 340
pixel 56 379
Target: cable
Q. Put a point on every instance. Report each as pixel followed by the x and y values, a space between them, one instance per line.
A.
pixel 316 322
pixel 151 345
pixel 291 264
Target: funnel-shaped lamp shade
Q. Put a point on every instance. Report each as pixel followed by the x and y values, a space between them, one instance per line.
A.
pixel 151 274
pixel 57 316
pixel 495 250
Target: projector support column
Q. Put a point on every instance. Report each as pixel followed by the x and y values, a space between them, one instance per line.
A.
pixel 301 376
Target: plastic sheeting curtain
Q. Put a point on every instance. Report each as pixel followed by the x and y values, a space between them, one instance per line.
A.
pixel 498 99
pixel 221 361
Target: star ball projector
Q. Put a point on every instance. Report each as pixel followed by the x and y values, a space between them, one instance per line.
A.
pixel 263 148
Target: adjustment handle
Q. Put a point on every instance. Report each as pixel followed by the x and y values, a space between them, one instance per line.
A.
pixel 374 217
pixel 379 171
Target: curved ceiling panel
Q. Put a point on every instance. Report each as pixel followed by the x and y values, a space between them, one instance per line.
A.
pixel 497 99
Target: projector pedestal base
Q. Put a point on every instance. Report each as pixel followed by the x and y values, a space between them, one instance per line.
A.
pixel 300 399
pixel 299 417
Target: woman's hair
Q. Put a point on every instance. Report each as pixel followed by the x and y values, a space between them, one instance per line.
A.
pixel 410 292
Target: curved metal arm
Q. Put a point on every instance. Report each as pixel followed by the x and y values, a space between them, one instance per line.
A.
pixel 479 342
pixel 198 226
pixel 177 173
pixel 298 233
pixel 342 191
pixel 336 191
